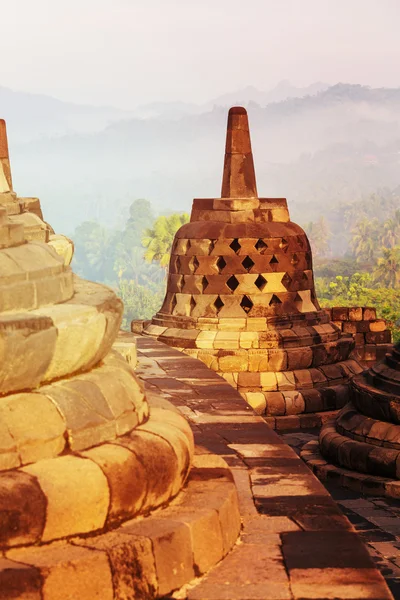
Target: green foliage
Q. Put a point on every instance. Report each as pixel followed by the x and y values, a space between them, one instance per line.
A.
pixel 387 270
pixel 140 302
pixel 158 239
pixel 357 290
pixel 117 257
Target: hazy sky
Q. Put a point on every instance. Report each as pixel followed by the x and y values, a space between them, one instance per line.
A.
pixel 127 52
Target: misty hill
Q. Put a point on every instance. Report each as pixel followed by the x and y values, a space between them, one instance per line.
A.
pixel 31 116
pixel 338 145
pixel 244 97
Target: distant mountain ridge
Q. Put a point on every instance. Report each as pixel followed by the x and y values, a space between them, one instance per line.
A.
pixel 339 143
pixel 31 116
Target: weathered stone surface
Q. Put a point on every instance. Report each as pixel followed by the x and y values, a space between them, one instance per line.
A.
pixel 77 495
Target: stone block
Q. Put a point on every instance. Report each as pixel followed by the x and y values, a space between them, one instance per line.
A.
pixel 294 403
pixel 160 463
pixel 234 362
pixel 340 313
pixel 77 495
pixel 378 325
pixel 22 509
pixel 35 425
pixel 19 581
pixel 126 478
pixel 350 327
pixel 275 404
pixel 269 381
pixel 356 313
pixel 132 563
pixel 172 549
pixel 257 401
pixel 285 381
pixel 69 571
pixel 369 314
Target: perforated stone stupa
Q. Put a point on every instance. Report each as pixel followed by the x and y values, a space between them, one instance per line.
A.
pixel 240 296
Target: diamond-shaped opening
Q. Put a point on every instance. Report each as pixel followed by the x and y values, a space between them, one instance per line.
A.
pixel 204 283
pixel 274 300
pixel 283 244
pixel 261 245
pixel 235 245
pixel 211 246
pixel 300 241
pixel 218 304
pixel 248 263
pixel 180 282
pixel 295 259
pixel 298 301
pixel 192 303
pixel 221 263
pixel 173 303
pixel 189 243
pixel 304 277
pixel 178 263
pixel 195 263
pixel 232 283
pixel 260 282
pixel 246 304
pixel 274 260
pixel 286 280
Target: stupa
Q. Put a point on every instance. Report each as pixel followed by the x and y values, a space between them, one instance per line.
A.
pixel 84 457
pixel 27 211
pixel 241 298
pixel 364 438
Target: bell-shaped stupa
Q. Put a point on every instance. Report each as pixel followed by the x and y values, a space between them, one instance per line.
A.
pixel 240 296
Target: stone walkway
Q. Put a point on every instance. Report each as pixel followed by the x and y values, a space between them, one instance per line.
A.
pixel 376 519
pixel 295 542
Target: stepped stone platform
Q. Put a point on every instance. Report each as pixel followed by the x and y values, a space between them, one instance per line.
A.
pixel 362 444
pixel 295 543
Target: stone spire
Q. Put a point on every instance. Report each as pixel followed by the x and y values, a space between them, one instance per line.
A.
pixel 5 171
pixel 239 178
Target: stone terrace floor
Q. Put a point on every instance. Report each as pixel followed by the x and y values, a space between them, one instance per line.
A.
pixel 295 542
pixel 376 519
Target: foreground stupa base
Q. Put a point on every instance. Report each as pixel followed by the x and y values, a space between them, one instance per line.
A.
pixel 362 444
pixel 363 483
pixel 147 558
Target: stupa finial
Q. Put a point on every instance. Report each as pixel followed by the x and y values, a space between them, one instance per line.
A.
pixel 4 158
pixel 239 178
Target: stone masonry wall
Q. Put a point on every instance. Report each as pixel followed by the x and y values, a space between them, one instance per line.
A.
pixel 371 335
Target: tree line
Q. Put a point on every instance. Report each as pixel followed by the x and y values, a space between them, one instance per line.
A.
pixel 133 258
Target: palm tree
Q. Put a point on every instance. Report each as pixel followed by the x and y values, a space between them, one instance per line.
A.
pixel 364 241
pixel 318 234
pixel 387 272
pixel 391 236
pixel 130 264
pixel 158 240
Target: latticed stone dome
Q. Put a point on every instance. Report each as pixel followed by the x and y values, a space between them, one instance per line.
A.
pixel 240 294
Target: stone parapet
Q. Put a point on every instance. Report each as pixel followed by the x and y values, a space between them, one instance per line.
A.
pixel 371 336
